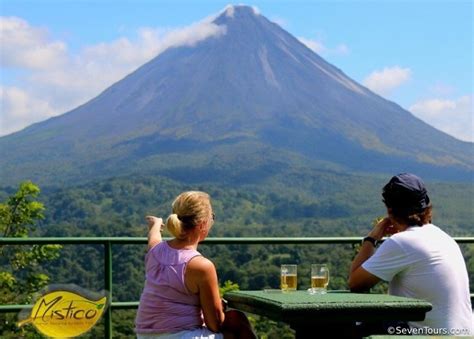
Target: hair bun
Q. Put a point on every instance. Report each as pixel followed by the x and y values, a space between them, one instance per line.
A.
pixel 174 225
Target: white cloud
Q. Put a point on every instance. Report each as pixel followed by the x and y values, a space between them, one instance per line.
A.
pixel 342 49
pixel 440 89
pixel 229 11
pixel 433 107
pixel 149 43
pixel 386 80
pixel 20 109
pixel 191 35
pixel 320 48
pixel 58 81
pixel 256 10
pixel 316 46
pixel 452 116
pixel 24 46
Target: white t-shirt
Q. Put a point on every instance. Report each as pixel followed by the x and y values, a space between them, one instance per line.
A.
pixel 426 263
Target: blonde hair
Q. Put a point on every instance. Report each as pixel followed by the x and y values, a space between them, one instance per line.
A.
pixel 189 210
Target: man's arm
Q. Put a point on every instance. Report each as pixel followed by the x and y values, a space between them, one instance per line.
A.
pixel 359 278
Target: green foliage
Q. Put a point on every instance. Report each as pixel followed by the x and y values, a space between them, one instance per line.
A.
pixel 228 287
pixel 269 329
pixel 20 211
pixel 22 274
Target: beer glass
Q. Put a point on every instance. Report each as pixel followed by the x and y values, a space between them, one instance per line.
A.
pixel 288 277
pixel 319 279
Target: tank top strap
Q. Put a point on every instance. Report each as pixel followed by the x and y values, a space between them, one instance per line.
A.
pixel 187 255
pixel 166 255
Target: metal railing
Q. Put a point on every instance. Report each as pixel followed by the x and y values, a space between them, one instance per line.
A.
pixel 107 242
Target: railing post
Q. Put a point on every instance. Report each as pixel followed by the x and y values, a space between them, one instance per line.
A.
pixel 108 287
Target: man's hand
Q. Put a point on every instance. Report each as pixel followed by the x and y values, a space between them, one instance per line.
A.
pixel 384 227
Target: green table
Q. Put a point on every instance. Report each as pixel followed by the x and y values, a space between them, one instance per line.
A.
pixel 329 315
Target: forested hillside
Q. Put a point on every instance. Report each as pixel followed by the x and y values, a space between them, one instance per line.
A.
pixel 323 204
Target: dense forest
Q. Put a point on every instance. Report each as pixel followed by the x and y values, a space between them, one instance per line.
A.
pixel 317 204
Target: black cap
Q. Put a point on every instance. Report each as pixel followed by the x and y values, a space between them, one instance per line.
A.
pixel 405 194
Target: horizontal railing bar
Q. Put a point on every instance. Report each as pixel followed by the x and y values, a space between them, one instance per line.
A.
pixel 125 304
pixel 464 240
pixel 287 240
pixel 216 240
pixel 73 240
pixel 114 305
pixel 13 308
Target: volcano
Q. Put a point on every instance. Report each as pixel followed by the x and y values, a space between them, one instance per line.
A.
pixel 240 106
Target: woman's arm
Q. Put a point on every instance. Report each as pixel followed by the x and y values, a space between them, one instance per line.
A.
pixel 201 278
pixel 155 227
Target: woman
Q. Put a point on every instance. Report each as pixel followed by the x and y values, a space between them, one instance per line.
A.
pixel 181 294
pixel 419 260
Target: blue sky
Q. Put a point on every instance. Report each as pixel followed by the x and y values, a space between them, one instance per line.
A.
pixel 55 55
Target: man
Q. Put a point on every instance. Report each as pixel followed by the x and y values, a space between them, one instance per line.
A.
pixel 419 260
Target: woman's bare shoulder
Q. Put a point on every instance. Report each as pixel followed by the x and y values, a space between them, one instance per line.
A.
pixel 201 264
pixel 200 272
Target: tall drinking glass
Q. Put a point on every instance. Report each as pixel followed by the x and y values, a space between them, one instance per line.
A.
pixel 288 277
pixel 319 278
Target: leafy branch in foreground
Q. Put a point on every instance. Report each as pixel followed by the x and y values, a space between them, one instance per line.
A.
pixel 21 275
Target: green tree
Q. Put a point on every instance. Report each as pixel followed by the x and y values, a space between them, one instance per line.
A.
pixel 228 286
pixel 21 274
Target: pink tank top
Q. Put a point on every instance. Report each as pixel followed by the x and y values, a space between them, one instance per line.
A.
pixel 166 305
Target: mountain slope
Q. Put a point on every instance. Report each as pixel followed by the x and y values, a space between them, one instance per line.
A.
pixel 235 106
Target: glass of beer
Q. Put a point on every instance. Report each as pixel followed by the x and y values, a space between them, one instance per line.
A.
pixel 288 277
pixel 319 278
